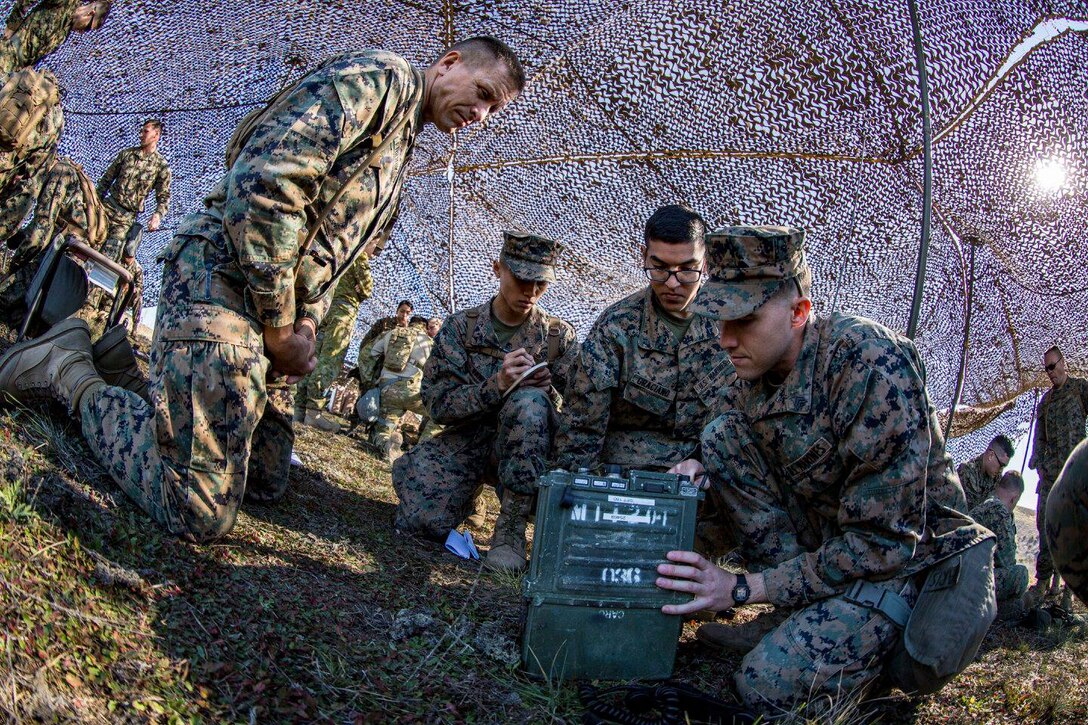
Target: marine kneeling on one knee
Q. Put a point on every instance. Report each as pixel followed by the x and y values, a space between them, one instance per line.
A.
pixel 841 520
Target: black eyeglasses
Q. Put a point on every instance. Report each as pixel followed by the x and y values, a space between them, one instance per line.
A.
pixel 1050 368
pixel 683 276
pixel 998 458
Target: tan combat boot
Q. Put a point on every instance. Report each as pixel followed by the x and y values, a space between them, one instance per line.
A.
pixel 391 449
pixel 507 552
pixel 317 419
pixel 116 362
pixel 57 365
pixel 1067 599
pixel 739 638
pixel 478 517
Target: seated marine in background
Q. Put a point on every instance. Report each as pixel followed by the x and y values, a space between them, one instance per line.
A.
pixel 497 422
pixel 995 513
pixel 67 204
pixel 980 475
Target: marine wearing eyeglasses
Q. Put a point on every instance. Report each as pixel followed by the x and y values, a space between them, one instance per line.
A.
pixel 650 374
pixel 980 475
pixel 1059 427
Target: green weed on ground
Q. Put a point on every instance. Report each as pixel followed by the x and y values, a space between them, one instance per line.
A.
pixel 314 610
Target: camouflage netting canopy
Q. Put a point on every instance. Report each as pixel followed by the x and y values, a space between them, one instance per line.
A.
pixel 806 114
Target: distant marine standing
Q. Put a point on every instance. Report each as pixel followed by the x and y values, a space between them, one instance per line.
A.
pixel 333 337
pixel 1059 427
pixel 125 184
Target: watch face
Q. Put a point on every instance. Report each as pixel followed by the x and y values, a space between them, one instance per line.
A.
pixel 741 592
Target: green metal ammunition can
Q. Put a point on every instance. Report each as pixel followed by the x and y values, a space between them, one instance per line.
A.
pixel 594 611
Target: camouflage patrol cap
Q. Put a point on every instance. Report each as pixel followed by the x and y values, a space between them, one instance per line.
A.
pixel 746 265
pixel 530 257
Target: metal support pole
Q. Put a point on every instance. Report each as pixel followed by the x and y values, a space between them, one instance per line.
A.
pixel 1031 431
pixel 452 182
pixel 966 338
pixel 927 179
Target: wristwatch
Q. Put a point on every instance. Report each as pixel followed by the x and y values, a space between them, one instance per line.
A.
pixel 741 592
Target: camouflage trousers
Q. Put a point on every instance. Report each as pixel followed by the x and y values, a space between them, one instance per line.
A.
pixel 648 450
pixel 15 206
pixel 1067 522
pixel 398 398
pixel 118 222
pixel 1010 582
pixel 9 56
pixel 333 338
pixel 215 431
pixel 823 650
pixel 13 289
pixel 437 480
pixel 1044 564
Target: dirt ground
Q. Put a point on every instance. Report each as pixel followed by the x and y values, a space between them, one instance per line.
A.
pixel 314 610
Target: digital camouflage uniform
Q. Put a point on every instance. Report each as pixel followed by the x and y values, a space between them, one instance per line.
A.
pixel 638 396
pixel 1059 427
pixel 123 188
pixel 401 388
pixel 61 209
pixel 485 433
pixel 830 477
pixel 1010 578
pixel 334 335
pixel 977 486
pixel 1067 522
pixel 379 328
pixel 216 429
pixel 22 171
pixel 367 368
pixel 35 33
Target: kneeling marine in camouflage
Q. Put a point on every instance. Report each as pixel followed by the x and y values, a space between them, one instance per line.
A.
pixel 247 279
pixel 495 423
pixel 834 474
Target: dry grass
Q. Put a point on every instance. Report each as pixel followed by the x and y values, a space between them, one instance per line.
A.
pixel 313 610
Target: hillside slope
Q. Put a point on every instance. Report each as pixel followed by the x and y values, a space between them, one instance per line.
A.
pixel 313 610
